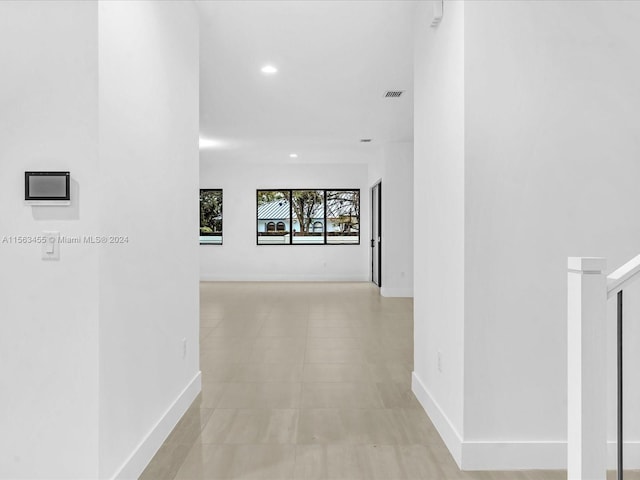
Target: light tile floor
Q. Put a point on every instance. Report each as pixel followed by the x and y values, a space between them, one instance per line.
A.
pixel 308 381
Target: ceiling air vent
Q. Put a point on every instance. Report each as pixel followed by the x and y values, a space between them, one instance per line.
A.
pixel 393 93
pixel 365 140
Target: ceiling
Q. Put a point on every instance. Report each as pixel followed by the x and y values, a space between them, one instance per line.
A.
pixel 335 61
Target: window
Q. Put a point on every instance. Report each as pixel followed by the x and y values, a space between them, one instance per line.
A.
pixel 308 208
pixel 343 216
pixel 308 217
pixel 274 217
pixel 210 217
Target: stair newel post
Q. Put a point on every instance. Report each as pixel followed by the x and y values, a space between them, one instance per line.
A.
pixel 586 369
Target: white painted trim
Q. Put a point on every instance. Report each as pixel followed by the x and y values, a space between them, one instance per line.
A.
pixel 631 455
pixel 447 431
pixel 547 455
pixel 205 277
pixel 535 455
pixel 47 203
pixel 508 455
pixel 144 452
pixel 586 368
pixel 624 275
pixel 396 292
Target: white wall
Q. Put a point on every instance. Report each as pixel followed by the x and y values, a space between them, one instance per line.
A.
pixel 392 164
pixel 439 249
pixel 552 162
pixel 48 309
pixel 397 220
pixel 375 168
pixel 525 115
pixel 239 258
pixel 149 171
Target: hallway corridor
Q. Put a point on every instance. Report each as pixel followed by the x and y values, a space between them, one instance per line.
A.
pixel 307 381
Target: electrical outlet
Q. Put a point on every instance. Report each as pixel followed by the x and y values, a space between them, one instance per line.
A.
pixel 440 361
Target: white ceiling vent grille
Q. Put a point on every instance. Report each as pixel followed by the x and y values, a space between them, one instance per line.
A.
pixel 393 93
pixel 365 140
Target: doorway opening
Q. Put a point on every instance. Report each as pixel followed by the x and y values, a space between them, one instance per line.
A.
pixel 376 234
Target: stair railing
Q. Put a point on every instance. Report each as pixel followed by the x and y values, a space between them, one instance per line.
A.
pixel 588 291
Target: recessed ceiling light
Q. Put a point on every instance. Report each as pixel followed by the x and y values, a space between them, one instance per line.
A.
pixel 293 155
pixel 269 70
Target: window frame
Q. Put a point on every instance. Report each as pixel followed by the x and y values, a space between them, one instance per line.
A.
pixel 325 230
pixel 221 216
pixel 274 221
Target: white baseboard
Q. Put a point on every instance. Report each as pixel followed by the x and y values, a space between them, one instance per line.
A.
pixel 396 292
pixel 207 277
pixel 144 452
pixel 542 455
pixel 631 455
pixel 508 455
pixel 447 431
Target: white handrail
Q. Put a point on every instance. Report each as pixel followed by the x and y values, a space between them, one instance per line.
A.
pixel 628 272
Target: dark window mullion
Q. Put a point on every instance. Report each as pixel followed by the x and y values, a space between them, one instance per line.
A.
pixel 290 217
pixel 325 216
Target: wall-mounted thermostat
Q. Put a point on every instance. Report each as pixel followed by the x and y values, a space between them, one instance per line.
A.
pixel 47 188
